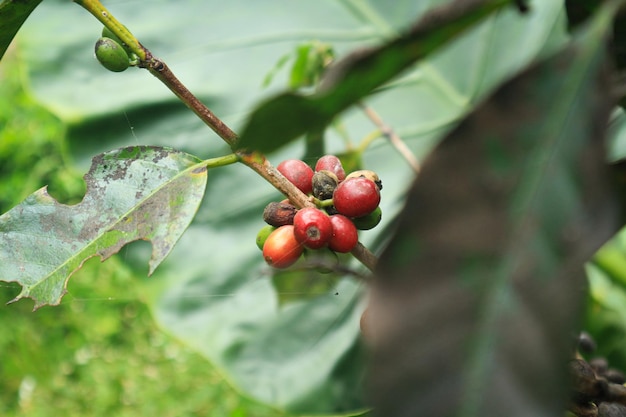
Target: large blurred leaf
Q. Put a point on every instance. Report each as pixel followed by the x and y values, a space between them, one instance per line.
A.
pixel 214 291
pixel 223 54
pixel 478 296
pixel 13 13
pixel 132 193
pixel 290 115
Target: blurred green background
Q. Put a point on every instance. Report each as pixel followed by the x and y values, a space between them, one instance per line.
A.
pixel 99 353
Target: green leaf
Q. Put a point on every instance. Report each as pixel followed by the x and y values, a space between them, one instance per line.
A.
pixel 607 314
pixel 13 13
pixel 479 295
pixel 284 118
pixel 133 193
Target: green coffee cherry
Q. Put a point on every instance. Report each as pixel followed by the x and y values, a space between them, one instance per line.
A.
pixel 261 237
pixel 370 221
pixel 111 55
pixel 106 33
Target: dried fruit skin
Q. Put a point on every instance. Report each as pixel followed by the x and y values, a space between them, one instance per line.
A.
pixel 324 184
pixel 279 214
pixel 345 236
pixel 298 173
pixel 333 164
pixel 356 197
pixel 312 227
pixel 281 249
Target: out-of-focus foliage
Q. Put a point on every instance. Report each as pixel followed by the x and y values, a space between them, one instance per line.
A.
pixel 99 353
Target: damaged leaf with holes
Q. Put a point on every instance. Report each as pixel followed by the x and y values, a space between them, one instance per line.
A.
pixel 133 193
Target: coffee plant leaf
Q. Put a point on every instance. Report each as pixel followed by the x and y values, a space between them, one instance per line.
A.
pixel 478 297
pixel 288 116
pixel 13 13
pixel 133 193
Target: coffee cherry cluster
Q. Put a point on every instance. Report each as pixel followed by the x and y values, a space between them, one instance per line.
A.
pixel 345 204
pixel 596 390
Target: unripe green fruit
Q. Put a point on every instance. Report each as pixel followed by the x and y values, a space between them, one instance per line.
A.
pixel 369 221
pixel 106 33
pixel 111 55
pixel 261 237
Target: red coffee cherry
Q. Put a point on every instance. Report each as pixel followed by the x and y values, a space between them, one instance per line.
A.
pixel 356 197
pixel 281 249
pixel 298 173
pixel 312 228
pixel 345 236
pixel 331 163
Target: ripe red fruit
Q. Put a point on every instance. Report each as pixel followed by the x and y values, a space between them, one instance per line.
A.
pixel 356 197
pixel 345 236
pixel 312 228
pixel 298 173
pixel 331 163
pixel 281 249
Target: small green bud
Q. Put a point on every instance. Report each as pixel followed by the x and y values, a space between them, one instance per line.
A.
pixel 111 55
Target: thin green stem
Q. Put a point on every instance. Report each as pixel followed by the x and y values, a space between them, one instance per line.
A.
pixel 323 203
pixel 221 161
pixel 367 140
